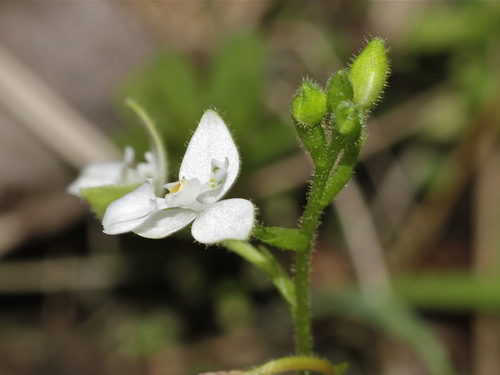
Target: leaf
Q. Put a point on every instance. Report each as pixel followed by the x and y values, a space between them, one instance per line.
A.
pixel 282 238
pixel 457 291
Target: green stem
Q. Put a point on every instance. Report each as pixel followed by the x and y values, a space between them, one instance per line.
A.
pixel 309 226
pixel 341 173
pixel 157 145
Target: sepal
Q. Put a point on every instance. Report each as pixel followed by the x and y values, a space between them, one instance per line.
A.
pixel 99 198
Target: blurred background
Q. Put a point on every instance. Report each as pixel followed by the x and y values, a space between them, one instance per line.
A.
pixel 406 273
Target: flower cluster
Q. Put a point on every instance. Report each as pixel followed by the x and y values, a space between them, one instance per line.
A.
pixel 209 169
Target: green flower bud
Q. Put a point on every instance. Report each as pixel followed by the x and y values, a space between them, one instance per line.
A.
pixel 368 73
pixel 349 119
pixel 309 104
pixel 339 89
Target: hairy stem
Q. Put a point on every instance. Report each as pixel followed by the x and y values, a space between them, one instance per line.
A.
pixel 157 145
pixel 309 226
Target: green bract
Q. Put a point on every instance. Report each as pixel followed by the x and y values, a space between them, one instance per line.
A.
pixel 368 73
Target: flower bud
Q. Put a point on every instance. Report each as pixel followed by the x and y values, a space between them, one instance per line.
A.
pixel 349 119
pixel 368 73
pixel 339 89
pixel 309 104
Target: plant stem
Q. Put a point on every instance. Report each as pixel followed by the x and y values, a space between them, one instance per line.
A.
pixel 157 145
pixel 309 226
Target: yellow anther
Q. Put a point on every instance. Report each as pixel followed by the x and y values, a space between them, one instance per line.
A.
pixel 177 187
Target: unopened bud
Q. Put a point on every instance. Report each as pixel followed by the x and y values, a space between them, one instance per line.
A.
pixel 368 73
pixel 309 104
pixel 339 89
pixel 349 119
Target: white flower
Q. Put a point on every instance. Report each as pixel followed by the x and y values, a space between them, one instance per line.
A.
pixel 209 169
pixel 115 172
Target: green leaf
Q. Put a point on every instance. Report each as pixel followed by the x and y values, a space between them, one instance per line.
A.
pixel 99 198
pixel 282 238
pixel 288 364
pixel 456 291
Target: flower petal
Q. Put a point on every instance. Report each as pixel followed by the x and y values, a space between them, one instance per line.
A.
pixel 131 211
pixel 211 140
pixel 97 174
pixel 166 222
pixel 230 219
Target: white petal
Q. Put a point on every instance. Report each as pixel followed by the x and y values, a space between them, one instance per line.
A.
pixel 131 211
pixel 230 219
pixel 211 140
pixel 97 174
pixel 166 222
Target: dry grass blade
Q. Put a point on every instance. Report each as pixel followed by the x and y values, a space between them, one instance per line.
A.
pixel 427 218
pixel 35 106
